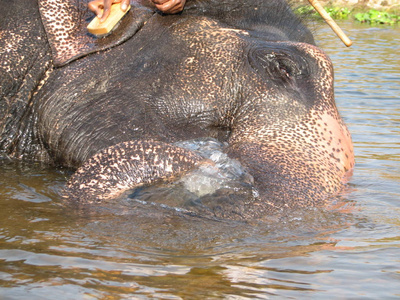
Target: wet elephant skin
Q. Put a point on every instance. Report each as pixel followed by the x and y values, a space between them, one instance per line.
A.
pixel 241 75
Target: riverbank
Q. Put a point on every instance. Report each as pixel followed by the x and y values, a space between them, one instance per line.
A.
pixel 383 5
pixel 364 11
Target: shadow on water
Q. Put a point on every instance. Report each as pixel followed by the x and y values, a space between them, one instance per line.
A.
pixel 141 251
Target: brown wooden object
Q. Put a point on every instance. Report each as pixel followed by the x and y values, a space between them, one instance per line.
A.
pixel 101 28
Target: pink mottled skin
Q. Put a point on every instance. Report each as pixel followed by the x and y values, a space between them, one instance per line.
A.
pixel 244 72
pixel 165 6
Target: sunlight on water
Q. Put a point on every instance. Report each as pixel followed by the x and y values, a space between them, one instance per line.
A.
pixel 48 251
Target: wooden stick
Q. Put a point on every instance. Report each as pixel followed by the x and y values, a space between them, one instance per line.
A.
pixel 100 28
pixel 335 27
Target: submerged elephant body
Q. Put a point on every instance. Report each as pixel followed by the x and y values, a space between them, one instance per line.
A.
pixel 247 74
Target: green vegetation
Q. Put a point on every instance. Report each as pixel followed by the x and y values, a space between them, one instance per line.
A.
pixel 374 16
pixel 338 12
pixel 371 16
pixel 306 10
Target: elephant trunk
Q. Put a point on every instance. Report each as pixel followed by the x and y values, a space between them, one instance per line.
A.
pixel 127 165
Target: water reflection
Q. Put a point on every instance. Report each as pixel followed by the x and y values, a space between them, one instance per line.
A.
pixel 46 249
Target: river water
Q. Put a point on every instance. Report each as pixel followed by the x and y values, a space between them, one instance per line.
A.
pixel 349 251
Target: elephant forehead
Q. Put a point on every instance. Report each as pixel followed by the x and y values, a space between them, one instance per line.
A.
pixel 206 31
pixel 212 56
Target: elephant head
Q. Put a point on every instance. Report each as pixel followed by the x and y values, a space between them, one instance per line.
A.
pixel 245 72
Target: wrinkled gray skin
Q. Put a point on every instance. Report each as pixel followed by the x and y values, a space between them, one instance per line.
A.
pixel 244 72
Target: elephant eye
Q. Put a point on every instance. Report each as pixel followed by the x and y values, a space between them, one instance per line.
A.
pixel 281 66
pixel 286 67
pixel 278 66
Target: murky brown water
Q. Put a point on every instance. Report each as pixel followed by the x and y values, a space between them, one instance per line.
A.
pixel 49 252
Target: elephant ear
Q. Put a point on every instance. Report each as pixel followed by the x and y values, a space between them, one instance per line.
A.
pixel 65 22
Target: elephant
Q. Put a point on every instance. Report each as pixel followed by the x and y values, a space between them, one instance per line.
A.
pixel 247 73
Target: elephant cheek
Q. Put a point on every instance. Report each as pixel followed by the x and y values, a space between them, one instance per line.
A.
pixel 336 139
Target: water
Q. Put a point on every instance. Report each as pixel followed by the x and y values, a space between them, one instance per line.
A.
pixel 48 251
